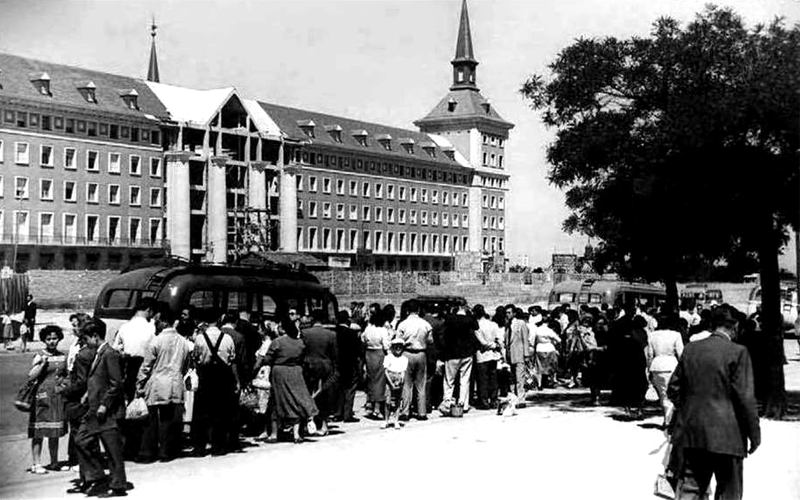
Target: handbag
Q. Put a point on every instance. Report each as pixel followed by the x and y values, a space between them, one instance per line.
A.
pixel 662 488
pixel 248 399
pixel 26 396
pixel 456 410
pixel 136 410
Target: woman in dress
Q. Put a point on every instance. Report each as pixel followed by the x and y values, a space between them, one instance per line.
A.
pixel 47 418
pixel 546 353
pixel 290 400
pixel 664 349
pixel 376 344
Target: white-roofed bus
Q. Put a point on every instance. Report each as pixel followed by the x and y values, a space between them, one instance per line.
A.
pixel 595 293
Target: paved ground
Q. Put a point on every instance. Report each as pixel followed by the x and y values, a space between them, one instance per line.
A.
pixel 557 448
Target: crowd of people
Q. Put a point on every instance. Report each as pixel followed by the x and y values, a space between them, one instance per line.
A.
pixel 215 376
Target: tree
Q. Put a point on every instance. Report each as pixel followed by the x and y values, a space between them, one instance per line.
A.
pixel 679 150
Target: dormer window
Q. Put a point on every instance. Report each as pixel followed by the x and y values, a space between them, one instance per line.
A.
pixel 408 145
pixel 335 131
pixel 449 152
pixel 451 105
pixel 360 136
pixel 430 148
pixel 487 107
pixel 41 81
pixel 87 90
pixel 385 140
pixel 131 98
pixel 307 126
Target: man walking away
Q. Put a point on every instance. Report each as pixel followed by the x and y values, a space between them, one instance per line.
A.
pixel 491 337
pixel 715 412
pixel 518 348
pixel 416 333
pixel 459 345
pixel 349 345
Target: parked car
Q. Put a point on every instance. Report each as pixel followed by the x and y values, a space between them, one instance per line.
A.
pixel 788 306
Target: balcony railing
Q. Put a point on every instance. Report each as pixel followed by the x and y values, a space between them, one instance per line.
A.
pixel 23 239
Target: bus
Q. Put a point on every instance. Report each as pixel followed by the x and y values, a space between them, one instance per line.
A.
pixel 703 296
pixel 595 293
pixel 266 292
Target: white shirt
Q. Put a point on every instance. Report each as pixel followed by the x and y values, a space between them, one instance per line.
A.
pixel 700 336
pixel 489 334
pixel 546 339
pixel 692 318
pixel 397 364
pixel 134 336
pixel 664 348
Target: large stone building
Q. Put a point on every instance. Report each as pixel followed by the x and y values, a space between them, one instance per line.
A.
pixel 105 170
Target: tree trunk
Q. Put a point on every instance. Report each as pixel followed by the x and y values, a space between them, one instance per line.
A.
pixel 671 284
pixel 771 388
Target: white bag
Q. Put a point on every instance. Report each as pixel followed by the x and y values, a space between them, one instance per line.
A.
pixel 136 410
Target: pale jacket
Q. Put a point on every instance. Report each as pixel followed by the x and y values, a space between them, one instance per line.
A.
pixel 166 361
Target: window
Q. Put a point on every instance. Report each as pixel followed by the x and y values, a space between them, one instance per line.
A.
pixel 312 238
pixel 113 131
pixel 493 202
pixel 353 212
pixel 353 241
pixel 46 189
pixel 21 153
pixel 91 130
pixel 113 163
pixel 113 229
pixel 454 220
pixel 134 134
pixel 69 158
pixel 485 139
pixel 135 230
pixel 424 217
pixel 340 186
pixel 378 190
pixel 299 182
pixel 501 223
pixel 485 158
pixel 424 243
pixel 414 194
pixel 326 210
pixel 413 247
pixel 70 193
pixel 300 242
pixel 312 184
pixel 2 151
pixel 70 126
pixel 378 214
pixel 155 231
pixel 424 196
pixel 366 212
pixel 465 243
pixel 326 185
pixel 435 197
pixel 378 241
pixel 339 240
pixel 365 189
pixel 390 215
pixel 413 217
pixel 92 228
pixel 445 198
pixel 91 161
pixel 464 220
pixel 113 194
pixel 155 197
pixel 493 160
pixel 312 209
pixel 493 222
pixel 69 227
pixel 92 195
pixel 445 243
pixel 435 243
pixel 46 156
pixel 485 244
pixel 135 165
pixel 501 142
pixel 501 203
pixel 326 238
pixel 455 199
pixel 155 167
pixel 445 219
pixel 403 243
pixel 135 196
pixel 390 191
pixel 434 218
pixel 2 190
pixel 402 193
pixel 340 211
pixel 21 188
pixel 22 119
pixel 368 240
pixel 401 216
pixel 353 188
pixel 500 161
pixel 464 199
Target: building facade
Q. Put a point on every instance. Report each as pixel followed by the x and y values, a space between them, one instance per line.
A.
pixel 102 171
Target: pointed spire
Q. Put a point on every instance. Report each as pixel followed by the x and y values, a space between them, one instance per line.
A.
pixel 152 70
pixel 464 64
pixel 464 42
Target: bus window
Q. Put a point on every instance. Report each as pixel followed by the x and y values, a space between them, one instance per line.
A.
pixel 237 300
pixel 583 298
pixel 267 307
pixel 204 299
pixel 119 299
pixel 595 298
pixel 565 298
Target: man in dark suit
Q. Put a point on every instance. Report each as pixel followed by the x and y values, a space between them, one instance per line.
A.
pixel 105 405
pixel 320 367
pixel 349 351
pixel 716 415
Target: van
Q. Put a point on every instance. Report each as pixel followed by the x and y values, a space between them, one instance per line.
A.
pixel 266 292
pixel 595 293
pixel 703 297
pixel 788 305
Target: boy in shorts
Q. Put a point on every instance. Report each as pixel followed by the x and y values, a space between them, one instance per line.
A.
pixel 395 365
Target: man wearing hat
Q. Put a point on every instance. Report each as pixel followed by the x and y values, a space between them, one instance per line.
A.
pixel 716 416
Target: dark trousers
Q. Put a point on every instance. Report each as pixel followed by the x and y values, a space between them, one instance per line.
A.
pixel 162 435
pixel 131 429
pixel 433 383
pixel 699 465
pixel 346 395
pixel 213 409
pixel 486 380
pixel 91 462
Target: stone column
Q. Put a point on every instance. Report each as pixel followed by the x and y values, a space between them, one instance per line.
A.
pixel 475 219
pixel 178 205
pixel 217 214
pixel 258 185
pixel 287 203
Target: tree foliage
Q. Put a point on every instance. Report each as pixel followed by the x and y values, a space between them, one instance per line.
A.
pixel 678 149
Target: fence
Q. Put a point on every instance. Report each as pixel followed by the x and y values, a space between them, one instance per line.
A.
pixel 13 292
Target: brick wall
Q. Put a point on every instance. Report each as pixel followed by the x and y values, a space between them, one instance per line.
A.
pixel 67 289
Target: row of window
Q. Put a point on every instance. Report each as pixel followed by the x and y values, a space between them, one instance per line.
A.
pixel 369 213
pixel 22 156
pixel 391 192
pixel 360 137
pixel 383 168
pixel 496 202
pixel 134 233
pixel 493 244
pixel 492 160
pixel 70 192
pixel 494 222
pixel 493 182
pixel 89 128
pixel 341 240
pixel 494 140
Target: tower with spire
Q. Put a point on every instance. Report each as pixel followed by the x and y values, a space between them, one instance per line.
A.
pixel 474 127
pixel 152 69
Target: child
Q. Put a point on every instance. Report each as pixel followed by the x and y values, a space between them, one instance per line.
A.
pixel 395 365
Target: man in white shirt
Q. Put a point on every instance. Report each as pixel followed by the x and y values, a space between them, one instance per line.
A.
pixel 491 338
pixel 417 336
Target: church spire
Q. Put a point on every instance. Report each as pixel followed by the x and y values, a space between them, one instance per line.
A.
pixel 464 64
pixel 152 70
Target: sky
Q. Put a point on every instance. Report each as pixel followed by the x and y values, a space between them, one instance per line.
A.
pixel 385 61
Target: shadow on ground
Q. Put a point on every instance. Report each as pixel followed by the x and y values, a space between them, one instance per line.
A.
pixel 580 401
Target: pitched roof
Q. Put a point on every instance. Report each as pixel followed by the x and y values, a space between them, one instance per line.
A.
pixel 191 106
pixel 290 120
pixel 464 50
pixel 261 119
pixel 17 72
pixel 469 105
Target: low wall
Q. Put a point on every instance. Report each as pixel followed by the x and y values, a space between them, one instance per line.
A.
pixel 75 290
